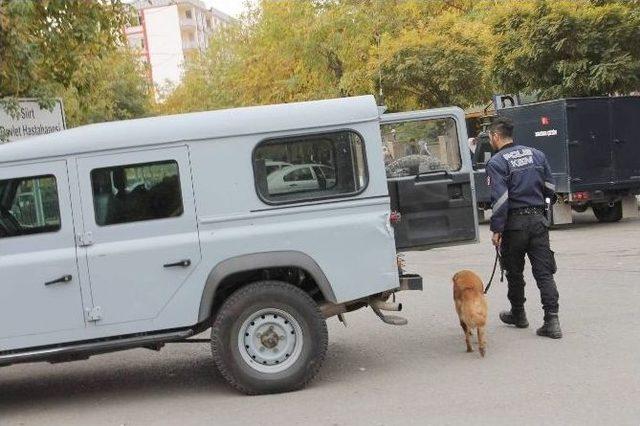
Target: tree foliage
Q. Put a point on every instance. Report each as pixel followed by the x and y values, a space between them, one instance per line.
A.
pixel 416 53
pixel 436 65
pixel 567 48
pixel 409 53
pixel 286 50
pixel 73 49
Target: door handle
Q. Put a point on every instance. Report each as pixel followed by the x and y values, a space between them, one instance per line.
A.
pixel 64 279
pixel 183 263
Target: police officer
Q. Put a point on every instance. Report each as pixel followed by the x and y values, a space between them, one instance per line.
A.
pixel 520 181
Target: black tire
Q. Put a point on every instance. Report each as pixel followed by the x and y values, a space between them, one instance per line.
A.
pixel 580 208
pixel 606 213
pixel 237 310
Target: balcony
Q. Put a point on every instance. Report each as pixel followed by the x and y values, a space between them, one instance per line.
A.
pixel 133 30
pixel 188 45
pixel 188 22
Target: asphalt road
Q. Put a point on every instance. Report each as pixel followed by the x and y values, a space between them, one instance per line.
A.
pixel 377 374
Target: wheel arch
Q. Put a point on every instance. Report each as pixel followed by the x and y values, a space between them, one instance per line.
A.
pixel 256 262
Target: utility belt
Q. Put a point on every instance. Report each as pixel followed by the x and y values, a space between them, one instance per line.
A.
pixel 528 211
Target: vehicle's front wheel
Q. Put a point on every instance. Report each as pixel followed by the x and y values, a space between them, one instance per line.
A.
pixel 608 213
pixel 269 337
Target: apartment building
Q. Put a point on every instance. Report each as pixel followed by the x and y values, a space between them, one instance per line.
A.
pixel 168 32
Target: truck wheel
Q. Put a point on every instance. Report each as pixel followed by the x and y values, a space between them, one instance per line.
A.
pixel 269 337
pixel 606 213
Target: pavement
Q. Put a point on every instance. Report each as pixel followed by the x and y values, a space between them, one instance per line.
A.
pixel 377 374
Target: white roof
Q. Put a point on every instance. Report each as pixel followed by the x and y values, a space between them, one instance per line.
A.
pixel 193 127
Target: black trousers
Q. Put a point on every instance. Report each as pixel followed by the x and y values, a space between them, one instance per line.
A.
pixel 529 235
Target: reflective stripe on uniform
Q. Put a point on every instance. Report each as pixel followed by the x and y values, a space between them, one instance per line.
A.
pixel 550 186
pixel 503 199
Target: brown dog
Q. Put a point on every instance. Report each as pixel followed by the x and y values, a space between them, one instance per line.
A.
pixel 468 295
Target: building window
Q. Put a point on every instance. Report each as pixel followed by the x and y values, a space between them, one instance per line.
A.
pixel 188 14
pixel 136 43
pixel 29 206
pixel 311 167
pixel 421 146
pixel 136 192
pixel 138 19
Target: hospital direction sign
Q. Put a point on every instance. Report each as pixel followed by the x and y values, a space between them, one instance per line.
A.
pixel 30 120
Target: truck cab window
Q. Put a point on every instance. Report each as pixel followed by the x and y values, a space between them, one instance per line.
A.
pixel 28 206
pixel 310 167
pixel 422 146
pixel 136 192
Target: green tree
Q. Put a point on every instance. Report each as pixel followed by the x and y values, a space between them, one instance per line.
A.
pixel 566 48
pixel 113 88
pixel 72 49
pixel 439 63
pixel 286 50
pixel 416 53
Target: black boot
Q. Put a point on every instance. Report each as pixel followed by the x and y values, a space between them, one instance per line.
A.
pixel 551 327
pixel 516 316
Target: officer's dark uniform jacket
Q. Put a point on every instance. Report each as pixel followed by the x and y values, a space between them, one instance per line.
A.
pixel 520 180
pixel 519 177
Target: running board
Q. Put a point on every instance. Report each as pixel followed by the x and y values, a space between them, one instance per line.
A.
pixel 83 350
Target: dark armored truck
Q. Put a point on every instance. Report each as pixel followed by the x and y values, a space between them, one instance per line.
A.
pixel 593 147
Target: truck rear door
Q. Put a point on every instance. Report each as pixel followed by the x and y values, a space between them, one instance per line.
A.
pixel 626 139
pixel 590 159
pixel 430 178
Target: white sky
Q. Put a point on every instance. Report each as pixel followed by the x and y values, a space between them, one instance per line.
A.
pixel 230 7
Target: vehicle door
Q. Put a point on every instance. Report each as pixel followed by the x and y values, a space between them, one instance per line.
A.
pixel 300 179
pixel 39 286
pixel 430 181
pixel 626 139
pixel 140 236
pixel 589 125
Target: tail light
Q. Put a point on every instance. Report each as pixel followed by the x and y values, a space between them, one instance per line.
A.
pixel 395 217
pixel 581 196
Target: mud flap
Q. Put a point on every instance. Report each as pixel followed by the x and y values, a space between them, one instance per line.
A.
pixel 561 214
pixel 629 207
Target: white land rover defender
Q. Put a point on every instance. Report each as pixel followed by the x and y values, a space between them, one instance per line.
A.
pixel 258 223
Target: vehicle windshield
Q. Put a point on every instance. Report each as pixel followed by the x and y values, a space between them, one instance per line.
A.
pixel 422 146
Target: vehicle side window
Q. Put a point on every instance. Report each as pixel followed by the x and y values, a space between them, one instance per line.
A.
pixel 303 173
pixel 28 206
pixel 328 172
pixel 318 171
pixel 337 158
pixel 136 192
pixel 421 146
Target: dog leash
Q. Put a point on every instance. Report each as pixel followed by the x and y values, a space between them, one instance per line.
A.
pixel 495 265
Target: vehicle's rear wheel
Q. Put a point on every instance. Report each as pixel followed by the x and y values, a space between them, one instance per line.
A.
pixel 269 337
pixel 608 213
pixel 580 208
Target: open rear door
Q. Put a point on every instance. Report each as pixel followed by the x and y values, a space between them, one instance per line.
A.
pixel 430 179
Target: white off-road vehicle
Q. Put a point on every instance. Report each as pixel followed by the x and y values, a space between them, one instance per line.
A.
pixel 143 232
